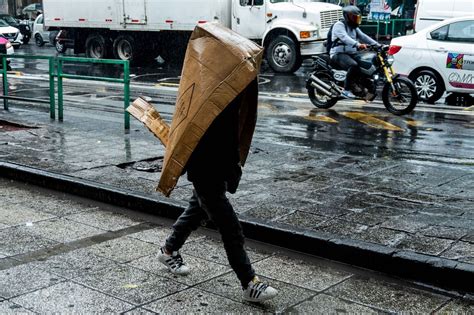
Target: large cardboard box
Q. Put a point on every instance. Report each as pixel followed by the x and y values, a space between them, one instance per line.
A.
pixel 219 65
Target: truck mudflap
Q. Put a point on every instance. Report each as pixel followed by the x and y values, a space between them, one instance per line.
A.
pixel 312 48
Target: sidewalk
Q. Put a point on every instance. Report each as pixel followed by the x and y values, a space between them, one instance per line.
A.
pixel 412 212
pixel 63 254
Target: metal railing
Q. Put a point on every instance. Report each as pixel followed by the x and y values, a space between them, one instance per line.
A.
pixel 56 70
pixel 5 95
pixel 384 26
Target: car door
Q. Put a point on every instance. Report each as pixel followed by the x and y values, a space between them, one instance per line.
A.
pixel 452 51
pixel 248 18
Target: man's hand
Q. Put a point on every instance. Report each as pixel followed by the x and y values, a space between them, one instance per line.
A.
pixel 362 46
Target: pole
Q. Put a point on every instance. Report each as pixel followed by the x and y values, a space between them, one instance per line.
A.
pixel 60 90
pixel 52 105
pixel 126 97
pixel 5 81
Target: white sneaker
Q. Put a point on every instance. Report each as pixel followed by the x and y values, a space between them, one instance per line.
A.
pixel 257 291
pixel 174 262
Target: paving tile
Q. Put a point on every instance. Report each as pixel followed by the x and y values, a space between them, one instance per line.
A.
pixel 195 301
pixel 387 296
pixel 229 286
pixel 3 226
pixel 313 276
pixel 462 251
pixel 213 250
pixel 22 279
pixel 302 219
pixel 342 228
pixel 61 230
pixel 266 212
pixel 123 249
pixel 159 235
pixel 57 205
pixel 457 307
pixel 14 241
pixel 73 264
pixel 104 220
pixel 9 308
pixel 201 269
pixel 140 311
pixel 68 298
pixel 407 223
pixel 16 214
pixel 444 232
pixel 425 245
pixel 381 236
pixel 130 284
pixel 326 304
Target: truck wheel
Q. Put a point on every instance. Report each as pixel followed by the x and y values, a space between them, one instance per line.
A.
pixel 60 47
pixel 125 48
pixel 39 40
pixel 283 55
pixel 96 47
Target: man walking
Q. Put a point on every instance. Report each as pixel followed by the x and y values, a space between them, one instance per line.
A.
pixel 209 139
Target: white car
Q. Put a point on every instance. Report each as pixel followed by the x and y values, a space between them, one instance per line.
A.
pixel 439 58
pixel 11 33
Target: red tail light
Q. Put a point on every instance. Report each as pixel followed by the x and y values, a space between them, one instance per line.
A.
pixel 394 49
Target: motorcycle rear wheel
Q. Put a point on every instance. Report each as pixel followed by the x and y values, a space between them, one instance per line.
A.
pixel 403 100
pixel 319 99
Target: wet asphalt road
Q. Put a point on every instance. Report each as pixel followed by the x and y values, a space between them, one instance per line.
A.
pixel 433 133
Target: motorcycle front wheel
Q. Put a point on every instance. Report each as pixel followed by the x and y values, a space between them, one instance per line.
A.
pixel 318 98
pixel 401 99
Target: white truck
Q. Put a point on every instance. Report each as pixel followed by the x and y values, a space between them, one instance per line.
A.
pixel 290 30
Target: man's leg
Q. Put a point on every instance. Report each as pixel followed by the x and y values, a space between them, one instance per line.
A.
pixel 187 222
pixel 346 62
pixel 213 200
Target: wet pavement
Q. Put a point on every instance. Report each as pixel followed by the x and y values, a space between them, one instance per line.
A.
pixel 63 254
pixel 353 172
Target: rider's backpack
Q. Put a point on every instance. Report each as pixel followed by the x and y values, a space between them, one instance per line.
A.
pixel 329 43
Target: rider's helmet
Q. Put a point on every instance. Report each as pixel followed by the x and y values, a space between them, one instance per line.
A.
pixel 352 15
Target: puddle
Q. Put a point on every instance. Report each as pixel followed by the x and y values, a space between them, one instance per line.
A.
pixel 152 165
pixel 7 126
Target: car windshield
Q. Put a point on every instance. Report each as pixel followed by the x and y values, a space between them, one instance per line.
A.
pixel 3 23
pixel 9 19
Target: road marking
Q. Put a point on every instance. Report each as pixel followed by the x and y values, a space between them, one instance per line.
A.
pixel 167 84
pixel 371 121
pixel 321 118
pixel 414 123
pixel 470 108
pixel 297 95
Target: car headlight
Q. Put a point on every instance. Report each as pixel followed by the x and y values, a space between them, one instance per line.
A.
pixel 309 34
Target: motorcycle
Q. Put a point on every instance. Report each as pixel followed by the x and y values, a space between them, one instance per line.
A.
pixel 325 83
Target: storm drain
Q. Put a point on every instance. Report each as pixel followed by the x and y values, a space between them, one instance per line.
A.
pixel 152 165
pixel 7 126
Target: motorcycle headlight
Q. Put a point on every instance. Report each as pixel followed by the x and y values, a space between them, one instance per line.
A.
pixel 390 60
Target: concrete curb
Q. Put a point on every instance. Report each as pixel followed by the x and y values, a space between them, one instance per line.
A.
pixel 432 270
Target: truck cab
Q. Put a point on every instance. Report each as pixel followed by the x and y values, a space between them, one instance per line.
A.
pixel 290 30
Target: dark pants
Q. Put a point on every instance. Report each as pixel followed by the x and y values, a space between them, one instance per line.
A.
pixel 210 202
pixel 348 63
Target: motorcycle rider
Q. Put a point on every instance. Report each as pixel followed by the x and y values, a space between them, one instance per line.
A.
pixel 347 39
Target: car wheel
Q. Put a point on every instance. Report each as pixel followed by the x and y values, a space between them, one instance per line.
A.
pixel 96 47
pixel 39 40
pixel 429 86
pixel 283 55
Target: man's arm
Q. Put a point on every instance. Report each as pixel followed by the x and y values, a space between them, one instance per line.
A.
pixel 339 31
pixel 364 38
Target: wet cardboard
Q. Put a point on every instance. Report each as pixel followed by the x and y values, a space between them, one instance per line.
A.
pixel 219 65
